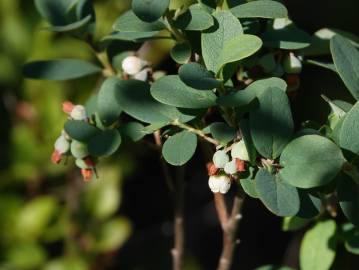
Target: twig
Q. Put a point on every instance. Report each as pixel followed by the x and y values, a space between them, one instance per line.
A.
pixel 229 226
pixel 176 187
pixel 103 59
pixel 196 131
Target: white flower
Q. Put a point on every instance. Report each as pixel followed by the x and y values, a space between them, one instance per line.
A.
pixel 142 75
pixel 231 167
pixel 239 150
pixel 62 145
pixel 221 183
pixel 133 65
pixel 78 113
pixel 220 158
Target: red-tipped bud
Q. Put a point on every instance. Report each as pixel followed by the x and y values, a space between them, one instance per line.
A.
pixel 87 174
pixel 240 164
pixel 89 162
pixel 67 107
pixel 56 157
pixel 212 169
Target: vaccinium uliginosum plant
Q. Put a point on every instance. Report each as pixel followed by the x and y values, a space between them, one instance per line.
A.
pixel 238 71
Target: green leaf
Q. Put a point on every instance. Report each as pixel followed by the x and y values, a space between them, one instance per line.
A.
pixel 222 132
pixel 310 161
pixel 349 133
pixel 247 138
pixel 248 184
pixel 213 40
pixel 26 256
pixel 279 197
pixel 107 106
pixel 112 235
pixel 59 69
pixel 352 242
pixel 292 224
pixel 260 9
pixel 132 130
pixel 271 123
pixel 80 131
pixel 72 27
pixel 198 77
pixel 54 11
pixel 171 90
pixel 286 36
pixel 179 148
pixel 194 19
pixel 348 196
pixel 310 205
pixel 246 96
pixel 346 60
pixel 181 52
pixel 149 10
pixel 105 143
pixel 239 48
pixel 129 22
pixel 135 99
pixel 329 66
pixel 319 246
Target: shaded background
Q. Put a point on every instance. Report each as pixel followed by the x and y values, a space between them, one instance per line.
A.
pixel 50 220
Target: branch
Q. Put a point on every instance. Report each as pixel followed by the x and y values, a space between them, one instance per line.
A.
pixel 176 187
pixel 198 132
pixel 229 227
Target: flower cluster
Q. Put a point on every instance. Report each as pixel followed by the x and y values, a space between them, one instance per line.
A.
pixel 224 167
pixel 65 145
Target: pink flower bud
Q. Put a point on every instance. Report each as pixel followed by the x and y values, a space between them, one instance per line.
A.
pixel 67 107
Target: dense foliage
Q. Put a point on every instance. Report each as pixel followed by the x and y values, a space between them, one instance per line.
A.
pixel 239 66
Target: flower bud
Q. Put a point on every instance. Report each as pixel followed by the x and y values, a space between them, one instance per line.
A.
pixel 292 64
pixel 56 157
pixel 67 107
pixel 79 149
pixel 78 113
pixel 87 174
pixel 241 165
pixel 239 150
pixel 132 65
pixel 220 158
pixel 212 169
pixel 62 145
pixel 220 184
pixel 142 75
pixel 230 167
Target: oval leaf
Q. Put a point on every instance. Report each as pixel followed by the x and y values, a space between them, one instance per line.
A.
pixel 346 60
pixel 129 22
pixel 105 143
pixel 107 106
pixel 214 39
pixel 300 156
pixel 149 10
pixel 222 132
pixel 59 69
pixel 194 19
pixel 179 148
pixel 260 9
pixel 198 77
pixel 172 91
pixel 271 123
pixel 80 130
pixel 348 196
pixel 279 197
pixel 350 131
pixel 244 97
pixel 181 53
pixel 318 246
pixel 135 99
